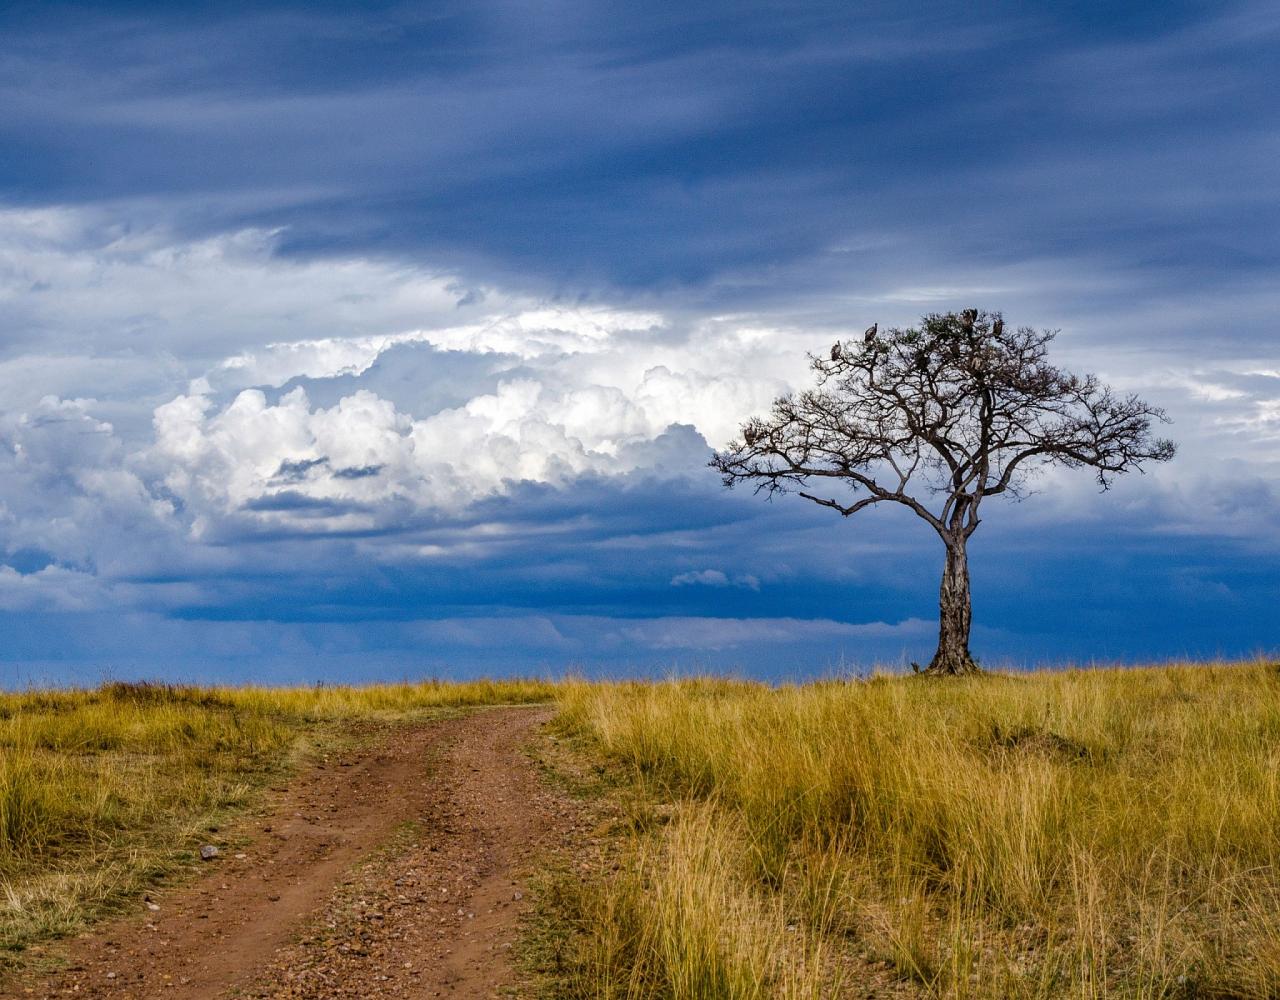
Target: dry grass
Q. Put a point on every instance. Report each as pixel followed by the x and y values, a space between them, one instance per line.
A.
pixel 104 790
pixel 1083 834
pixel 1079 834
pixel 669 916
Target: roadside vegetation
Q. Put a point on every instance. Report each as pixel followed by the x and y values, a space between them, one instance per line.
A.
pixel 103 791
pixel 1091 833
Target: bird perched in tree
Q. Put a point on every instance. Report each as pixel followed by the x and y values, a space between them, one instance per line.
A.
pixel 869 334
pixel 751 435
pixel 968 318
pixel 997 328
pixel 835 351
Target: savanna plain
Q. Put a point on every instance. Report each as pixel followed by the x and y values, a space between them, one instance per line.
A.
pixel 1076 833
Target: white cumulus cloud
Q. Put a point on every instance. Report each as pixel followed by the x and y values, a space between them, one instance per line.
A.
pixel 715 578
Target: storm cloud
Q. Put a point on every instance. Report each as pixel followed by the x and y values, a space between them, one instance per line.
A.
pixel 397 339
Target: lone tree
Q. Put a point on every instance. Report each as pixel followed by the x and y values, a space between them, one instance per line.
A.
pixel 938 418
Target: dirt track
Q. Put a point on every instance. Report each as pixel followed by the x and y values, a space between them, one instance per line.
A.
pixel 394 871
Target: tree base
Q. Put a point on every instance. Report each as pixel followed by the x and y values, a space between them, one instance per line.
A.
pixel 952 665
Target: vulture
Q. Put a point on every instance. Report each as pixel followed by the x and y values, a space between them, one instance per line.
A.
pixel 968 318
pixel 997 327
pixel 869 334
pixel 835 351
pixel 750 435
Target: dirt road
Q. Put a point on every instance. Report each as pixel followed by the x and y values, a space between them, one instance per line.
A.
pixel 391 872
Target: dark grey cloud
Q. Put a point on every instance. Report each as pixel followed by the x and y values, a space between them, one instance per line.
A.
pixel 568 147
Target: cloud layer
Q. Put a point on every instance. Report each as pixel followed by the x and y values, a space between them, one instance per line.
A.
pixel 400 338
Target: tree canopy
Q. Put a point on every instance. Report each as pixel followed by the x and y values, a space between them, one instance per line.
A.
pixel 937 418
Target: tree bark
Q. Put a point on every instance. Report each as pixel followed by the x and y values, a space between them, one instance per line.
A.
pixel 955 612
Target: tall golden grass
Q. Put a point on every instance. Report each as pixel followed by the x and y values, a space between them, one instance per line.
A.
pixel 104 789
pixel 1087 833
pixel 1079 834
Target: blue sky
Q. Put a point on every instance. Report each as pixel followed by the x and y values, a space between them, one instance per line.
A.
pixel 390 341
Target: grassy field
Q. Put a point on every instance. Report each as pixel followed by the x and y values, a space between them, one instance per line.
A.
pixel 103 791
pixel 1100 833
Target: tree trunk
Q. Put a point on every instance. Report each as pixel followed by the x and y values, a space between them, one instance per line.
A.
pixel 955 613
